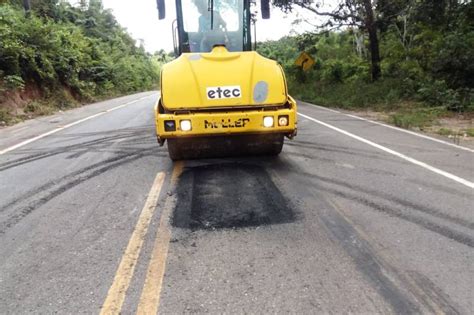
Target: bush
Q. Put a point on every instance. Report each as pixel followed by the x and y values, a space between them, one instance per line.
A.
pixel 83 51
pixel 385 93
pixel 437 93
pixel 38 108
pixel 14 82
pixel 5 116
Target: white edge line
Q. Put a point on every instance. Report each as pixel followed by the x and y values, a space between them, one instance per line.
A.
pixel 395 128
pixel 16 146
pixel 325 108
pixel 400 155
pixel 21 144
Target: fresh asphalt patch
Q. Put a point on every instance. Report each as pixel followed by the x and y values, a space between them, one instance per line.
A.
pixel 229 195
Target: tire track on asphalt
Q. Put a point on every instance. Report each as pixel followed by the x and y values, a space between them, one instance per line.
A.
pixel 368 263
pixel 377 266
pixel 60 128
pixel 104 142
pixel 426 166
pixel 404 203
pixel 354 195
pixel 107 143
pixel 307 152
pixel 54 188
pixel 340 149
pixel 35 198
pixel 403 293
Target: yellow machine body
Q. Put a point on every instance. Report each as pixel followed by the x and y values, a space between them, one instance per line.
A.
pixel 196 72
pixel 223 93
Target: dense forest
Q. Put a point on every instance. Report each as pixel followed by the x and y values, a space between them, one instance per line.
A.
pixel 411 58
pixel 56 55
pixel 425 51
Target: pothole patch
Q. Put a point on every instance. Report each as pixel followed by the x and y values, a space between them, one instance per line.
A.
pixel 229 195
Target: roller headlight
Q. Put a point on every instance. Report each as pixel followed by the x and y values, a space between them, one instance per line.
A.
pixel 185 125
pixel 268 121
pixel 283 120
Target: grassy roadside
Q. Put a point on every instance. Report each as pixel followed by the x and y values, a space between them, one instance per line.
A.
pixel 388 99
pixel 16 107
pixel 19 106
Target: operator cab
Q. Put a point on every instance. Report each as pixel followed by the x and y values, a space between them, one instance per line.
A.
pixel 201 25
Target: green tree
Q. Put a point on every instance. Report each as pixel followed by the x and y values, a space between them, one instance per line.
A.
pixel 81 49
pixel 346 13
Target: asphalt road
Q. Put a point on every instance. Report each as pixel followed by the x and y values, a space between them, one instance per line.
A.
pixel 352 217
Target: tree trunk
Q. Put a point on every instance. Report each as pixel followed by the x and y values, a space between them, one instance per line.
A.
pixel 27 5
pixel 373 39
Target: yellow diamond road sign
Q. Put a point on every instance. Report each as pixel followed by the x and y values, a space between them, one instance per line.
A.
pixel 305 61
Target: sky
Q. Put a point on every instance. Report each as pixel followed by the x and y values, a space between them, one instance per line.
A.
pixel 140 18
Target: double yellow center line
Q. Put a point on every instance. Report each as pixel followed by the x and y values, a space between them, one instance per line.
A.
pixel 150 298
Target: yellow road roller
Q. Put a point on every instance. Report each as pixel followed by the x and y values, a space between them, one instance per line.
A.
pixel 218 97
